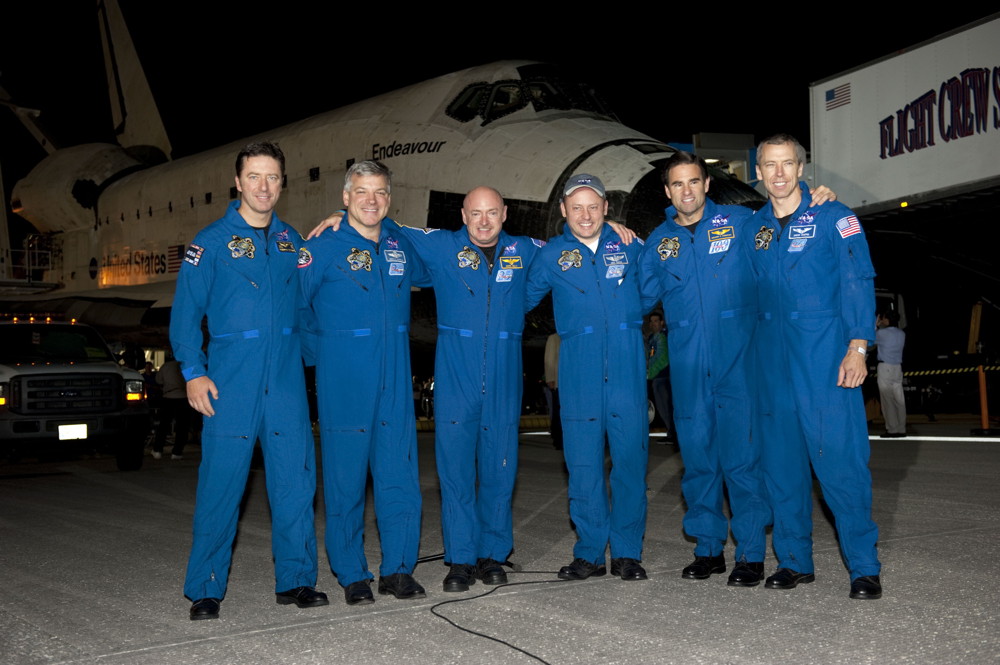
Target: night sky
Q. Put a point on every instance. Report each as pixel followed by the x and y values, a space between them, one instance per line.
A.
pixel 221 75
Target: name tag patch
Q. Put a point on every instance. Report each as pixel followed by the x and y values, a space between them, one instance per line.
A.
pixel 395 256
pixel 616 259
pixel 722 233
pixel 285 246
pixel 511 262
pixel 802 231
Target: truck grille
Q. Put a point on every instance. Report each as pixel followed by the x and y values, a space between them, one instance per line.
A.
pixel 57 394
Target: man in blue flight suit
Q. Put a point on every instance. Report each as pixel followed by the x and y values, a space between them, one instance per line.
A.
pixel 698 262
pixel 357 285
pixel 241 273
pixel 479 275
pixel 594 280
pixel 817 318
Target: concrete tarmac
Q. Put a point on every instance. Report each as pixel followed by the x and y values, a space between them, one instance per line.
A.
pixel 92 563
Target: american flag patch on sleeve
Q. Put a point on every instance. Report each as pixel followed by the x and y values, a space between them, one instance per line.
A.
pixel 848 226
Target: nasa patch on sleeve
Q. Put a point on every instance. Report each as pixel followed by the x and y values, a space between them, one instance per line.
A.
pixel 193 254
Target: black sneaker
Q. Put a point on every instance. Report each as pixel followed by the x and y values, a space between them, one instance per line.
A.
pixel 359 593
pixel 581 570
pixel 460 577
pixel 400 585
pixel 628 569
pixel 704 567
pixel 868 587
pixel 746 573
pixel 491 571
pixel 205 608
pixel 786 578
pixel 303 596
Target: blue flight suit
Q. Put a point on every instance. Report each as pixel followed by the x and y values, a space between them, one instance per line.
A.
pixel 245 280
pixel 816 293
pixel 706 283
pixel 602 385
pixel 358 294
pixel 478 385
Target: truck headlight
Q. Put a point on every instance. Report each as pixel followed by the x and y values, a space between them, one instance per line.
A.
pixel 135 391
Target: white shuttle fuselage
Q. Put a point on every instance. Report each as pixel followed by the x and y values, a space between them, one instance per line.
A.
pixel 116 219
pixel 113 230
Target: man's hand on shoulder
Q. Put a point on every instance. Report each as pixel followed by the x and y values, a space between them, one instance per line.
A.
pixel 853 369
pixel 625 233
pixel 331 222
pixel 821 195
pixel 198 391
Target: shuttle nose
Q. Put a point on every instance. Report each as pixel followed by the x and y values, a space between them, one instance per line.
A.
pixel 642 208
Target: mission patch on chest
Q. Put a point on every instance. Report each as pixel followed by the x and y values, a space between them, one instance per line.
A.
pixel 241 247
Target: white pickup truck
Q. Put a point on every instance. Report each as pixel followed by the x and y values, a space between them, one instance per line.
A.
pixel 60 386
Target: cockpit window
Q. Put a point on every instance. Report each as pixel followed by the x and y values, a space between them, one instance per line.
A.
pixel 466 106
pixel 651 148
pixel 506 99
pixel 540 85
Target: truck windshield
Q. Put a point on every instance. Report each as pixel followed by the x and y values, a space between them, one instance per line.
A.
pixel 41 343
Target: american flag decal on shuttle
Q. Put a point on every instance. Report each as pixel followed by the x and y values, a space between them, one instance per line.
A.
pixel 175 256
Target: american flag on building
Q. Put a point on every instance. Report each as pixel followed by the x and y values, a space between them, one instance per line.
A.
pixel 839 96
pixel 175 256
pixel 848 226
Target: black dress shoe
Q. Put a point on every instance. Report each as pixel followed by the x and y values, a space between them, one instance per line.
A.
pixel 628 569
pixel 460 577
pixel 581 570
pixel 401 585
pixel 302 596
pixel 786 578
pixel 868 587
pixel 205 608
pixel 746 573
pixel 491 571
pixel 359 593
pixel 704 567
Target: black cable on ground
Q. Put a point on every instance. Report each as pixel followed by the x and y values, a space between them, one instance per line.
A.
pixel 488 592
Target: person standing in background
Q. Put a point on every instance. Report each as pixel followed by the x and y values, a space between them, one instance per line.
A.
pixel 889 340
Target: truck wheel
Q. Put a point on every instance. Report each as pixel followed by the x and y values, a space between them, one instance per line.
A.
pixel 129 453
